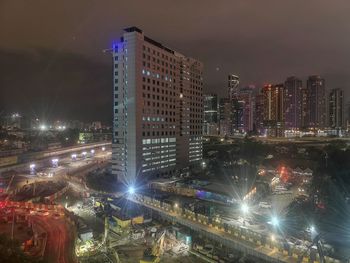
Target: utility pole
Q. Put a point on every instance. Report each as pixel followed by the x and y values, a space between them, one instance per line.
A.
pixel 13 223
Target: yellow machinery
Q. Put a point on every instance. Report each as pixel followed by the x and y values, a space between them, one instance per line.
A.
pixel 156 251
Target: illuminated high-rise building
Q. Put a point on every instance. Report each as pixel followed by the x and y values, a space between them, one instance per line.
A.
pixel 225 116
pixel 232 84
pixel 246 102
pixel 316 102
pixel 293 103
pixel 336 109
pixel 259 110
pixel 274 109
pixel 158 109
pixel 210 126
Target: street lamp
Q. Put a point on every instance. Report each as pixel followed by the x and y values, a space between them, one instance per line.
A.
pixel 313 232
pixel 245 208
pixel 32 168
pixel 55 162
pixel 131 190
pixel 275 221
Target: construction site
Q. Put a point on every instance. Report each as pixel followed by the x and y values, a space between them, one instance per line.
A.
pixel 132 234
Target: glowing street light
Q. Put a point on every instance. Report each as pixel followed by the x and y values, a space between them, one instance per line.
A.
pixel 131 190
pixel 275 221
pixel 244 208
pixel 43 127
pixel 313 232
pixel 92 151
pixel 273 238
pixel 103 149
pixel 32 168
pixel 176 205
pixel 312 229
pixel 54 162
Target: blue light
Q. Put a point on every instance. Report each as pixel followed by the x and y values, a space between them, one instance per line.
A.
pixel 131 190
pixel 275 221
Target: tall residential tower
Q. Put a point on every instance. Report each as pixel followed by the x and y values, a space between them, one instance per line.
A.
pixel 316 102
pixel 336 109
pixel 293 103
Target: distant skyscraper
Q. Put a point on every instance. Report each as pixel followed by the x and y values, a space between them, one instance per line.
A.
pixel 259 127
pixel 158 108
pixel 293 103
pixel 274 109
pixel 210 126
pixel 316 102
pixel 336 109
pixel 225 115
pixel 233 83
pixel 247 103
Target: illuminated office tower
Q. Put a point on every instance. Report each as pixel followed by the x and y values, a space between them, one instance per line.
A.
pixel 158 109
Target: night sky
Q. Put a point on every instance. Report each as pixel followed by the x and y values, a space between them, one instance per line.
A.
pixel 52 64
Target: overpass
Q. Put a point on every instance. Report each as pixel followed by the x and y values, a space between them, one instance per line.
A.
pixel 237 238
pixel 42 156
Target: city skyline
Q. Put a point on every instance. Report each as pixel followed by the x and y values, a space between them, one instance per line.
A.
pixel 175 131
pixel 54 60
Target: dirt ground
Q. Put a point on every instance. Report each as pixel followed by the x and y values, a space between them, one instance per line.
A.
pixel 184 259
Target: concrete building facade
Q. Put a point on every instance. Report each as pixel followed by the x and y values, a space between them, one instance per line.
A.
pixel 158 109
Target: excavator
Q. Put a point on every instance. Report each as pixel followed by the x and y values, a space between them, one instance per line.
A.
pixel 152 255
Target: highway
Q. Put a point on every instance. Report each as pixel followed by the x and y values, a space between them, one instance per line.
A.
pixel 48 155
pixel 60 233
pixel 60 238
pixel 49 173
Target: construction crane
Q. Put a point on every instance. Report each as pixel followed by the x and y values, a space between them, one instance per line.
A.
pixel 153 256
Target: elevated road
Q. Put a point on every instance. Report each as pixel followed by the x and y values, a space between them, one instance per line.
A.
pixel 46 155
pixel 265 249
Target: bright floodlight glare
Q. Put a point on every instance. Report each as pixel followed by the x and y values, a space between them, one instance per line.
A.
pixel 176 205
pixel 32 166
pixel 275 221
pixel 245 208
pixel 103 148
pixel 83 153
pixel 312 229
pixel 131 190
pixel 74 156
pixel 92 151
pixel 43 127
